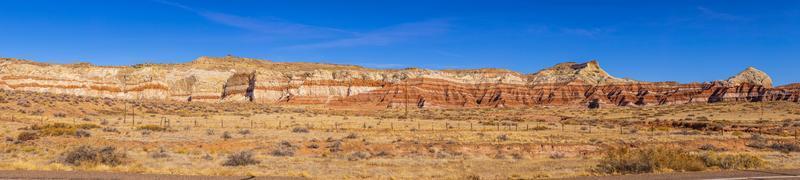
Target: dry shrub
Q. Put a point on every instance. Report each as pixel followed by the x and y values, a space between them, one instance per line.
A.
pixel 242 158
pixel 711 147
pixel 244 131
pixel 351 136
pixel 82 133
pixel 161 153
pixel 758 141
pixel 557 155
pixel 732 161
pixel 27 136
pixel 647 160
pixel 151 127
pixel 88 155
pixel 110 129
pixel 503 137
pixel 284 148
pixel 226 135
pixel 300 130
pixel 87 126
pixel 360 155
pixel 540 128
pixel 785 147
pixel 59 129
pixel 335 146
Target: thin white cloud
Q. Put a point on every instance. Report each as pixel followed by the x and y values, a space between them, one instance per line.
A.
pixel 385 36
pixel 270 26
pixel 711 14
pixel 587 32
pixel 340 38
pixel 592 32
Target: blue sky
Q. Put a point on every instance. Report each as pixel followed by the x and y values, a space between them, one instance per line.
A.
pixel 685 41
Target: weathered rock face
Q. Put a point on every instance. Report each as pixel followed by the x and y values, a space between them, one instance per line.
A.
pixel 241 79
pixel 752 76
pixel 588 73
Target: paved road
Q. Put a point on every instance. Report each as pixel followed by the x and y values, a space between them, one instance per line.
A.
pixel 79 175
pixel 724 175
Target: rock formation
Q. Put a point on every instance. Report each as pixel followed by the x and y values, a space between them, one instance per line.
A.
pixel 209 79
pixel 752 76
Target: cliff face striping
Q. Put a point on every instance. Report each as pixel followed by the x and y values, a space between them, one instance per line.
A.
pixel 241 79
pixel 239 87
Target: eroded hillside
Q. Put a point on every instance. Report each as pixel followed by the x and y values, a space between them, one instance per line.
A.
pixel 225 79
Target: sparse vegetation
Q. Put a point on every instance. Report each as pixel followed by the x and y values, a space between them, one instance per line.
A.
pixel 785 147
pixel 151 128
pixel 88 156
pixel 300 130
pixel 632 161
pixel 284 148
pixel 242 158
pixel 27 136
pixel 226 135
pixel 735 161
pixel 504 142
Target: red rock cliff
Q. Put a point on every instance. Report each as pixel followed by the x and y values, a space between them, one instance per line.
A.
pixel 243 79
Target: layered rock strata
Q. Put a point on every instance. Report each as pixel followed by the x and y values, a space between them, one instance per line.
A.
pixel 208 79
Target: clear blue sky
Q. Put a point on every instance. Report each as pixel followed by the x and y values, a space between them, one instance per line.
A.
pixel 685 41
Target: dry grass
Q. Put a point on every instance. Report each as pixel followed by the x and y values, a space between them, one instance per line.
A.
pixel 324 143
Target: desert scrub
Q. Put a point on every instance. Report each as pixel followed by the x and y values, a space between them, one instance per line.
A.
pixel 244 131
pixel 151 128
pixel 732 161
pixel 59 129
pixel 758 141
pixel 82 133
pixel 87 126
pixel 242 158
pixel 226 135
pixel 360 155
pixel 284 148
pixel 503 137
pixel 89 156
pixel 300 130
pixel 785 147
pixel 651 159
pixel 351 136
pixel 27 136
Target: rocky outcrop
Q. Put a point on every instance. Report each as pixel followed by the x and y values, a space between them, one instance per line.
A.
pixel 752 76
pixel 209 79
pixel 588 73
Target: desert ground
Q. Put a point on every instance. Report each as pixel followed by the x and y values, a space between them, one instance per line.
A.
pixel 70 133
